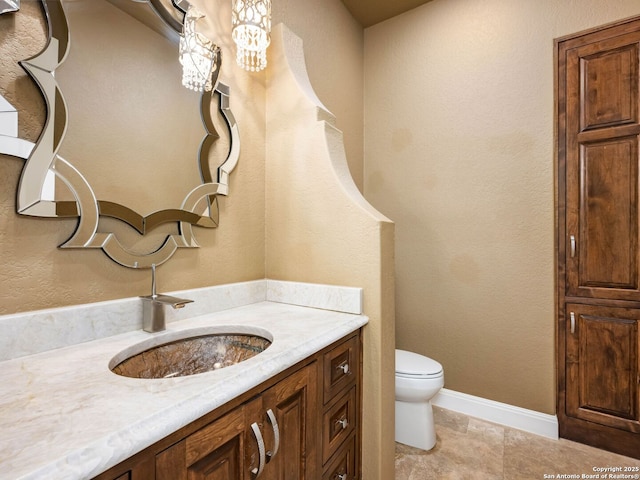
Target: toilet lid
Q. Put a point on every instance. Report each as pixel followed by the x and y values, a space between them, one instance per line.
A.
pixel 414 364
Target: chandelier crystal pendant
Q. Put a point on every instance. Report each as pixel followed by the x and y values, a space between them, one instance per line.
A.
pixel 251 21
pixel 198 54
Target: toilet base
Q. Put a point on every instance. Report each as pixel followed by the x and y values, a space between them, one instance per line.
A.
pixel 414 424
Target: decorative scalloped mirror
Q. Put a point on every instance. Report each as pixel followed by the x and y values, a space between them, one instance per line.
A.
pixel 119 129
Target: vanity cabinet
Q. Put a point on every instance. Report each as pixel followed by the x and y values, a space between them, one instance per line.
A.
pixel 304 424
pixel 269 437
pixel 340 420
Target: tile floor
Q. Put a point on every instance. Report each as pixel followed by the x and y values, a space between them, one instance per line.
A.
pixel 472 449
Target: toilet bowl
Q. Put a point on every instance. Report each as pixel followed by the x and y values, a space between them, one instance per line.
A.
pixel 418 379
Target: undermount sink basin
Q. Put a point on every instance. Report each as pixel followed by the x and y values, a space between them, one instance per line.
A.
pixel 188 352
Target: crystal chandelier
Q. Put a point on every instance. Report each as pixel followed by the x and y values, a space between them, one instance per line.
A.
pixel 198 54
pixel 252 32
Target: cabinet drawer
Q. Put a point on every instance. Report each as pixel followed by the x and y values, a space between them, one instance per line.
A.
pixel 338 422
pixel 343 465
pixel 341 367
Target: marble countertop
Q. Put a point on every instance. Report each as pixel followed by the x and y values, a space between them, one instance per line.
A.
pixel 65 415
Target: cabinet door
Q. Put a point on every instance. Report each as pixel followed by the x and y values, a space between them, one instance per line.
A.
pixel 219 451
pixel 343 465
pixel 601 140
pixel 341 368
pixel 292 402
pixel 338 423
pixel 602 365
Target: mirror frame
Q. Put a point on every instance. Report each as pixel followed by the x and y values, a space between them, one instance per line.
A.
pixel 43 164
pixel 9 6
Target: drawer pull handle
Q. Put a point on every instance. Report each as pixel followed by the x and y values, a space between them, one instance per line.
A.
pixel 344 366
pixel 276 434
pixel 260 441
pixel 344 423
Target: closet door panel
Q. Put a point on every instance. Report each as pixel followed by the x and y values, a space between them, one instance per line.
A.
pixel 602 365
pixel 609 86
pixel 608 247
pixel 602 132
pixel 598 257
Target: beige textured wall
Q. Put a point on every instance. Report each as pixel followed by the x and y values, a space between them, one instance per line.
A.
pixel 333 45
pixel 321 230
pixel 459 153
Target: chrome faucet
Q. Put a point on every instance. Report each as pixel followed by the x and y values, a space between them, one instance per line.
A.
pixel 153 307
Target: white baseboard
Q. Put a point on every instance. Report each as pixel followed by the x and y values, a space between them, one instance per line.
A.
pixel 496 412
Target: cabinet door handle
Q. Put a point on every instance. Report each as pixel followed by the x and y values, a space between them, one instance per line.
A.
pixel 572 243
pixel 572 319
pixel 344 366
pixel 276 434
pixel 261 453
pixel 344 423
pixel 341 476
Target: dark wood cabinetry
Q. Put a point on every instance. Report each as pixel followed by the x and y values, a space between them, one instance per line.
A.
pixel 340 419
pixel 302 425
pixel 293 403
pixel 343 465
pixel 270 436
pixel 601 358
pixel 215 451
pixel 598 245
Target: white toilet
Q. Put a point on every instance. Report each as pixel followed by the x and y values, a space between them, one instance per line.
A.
pixel 418 379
